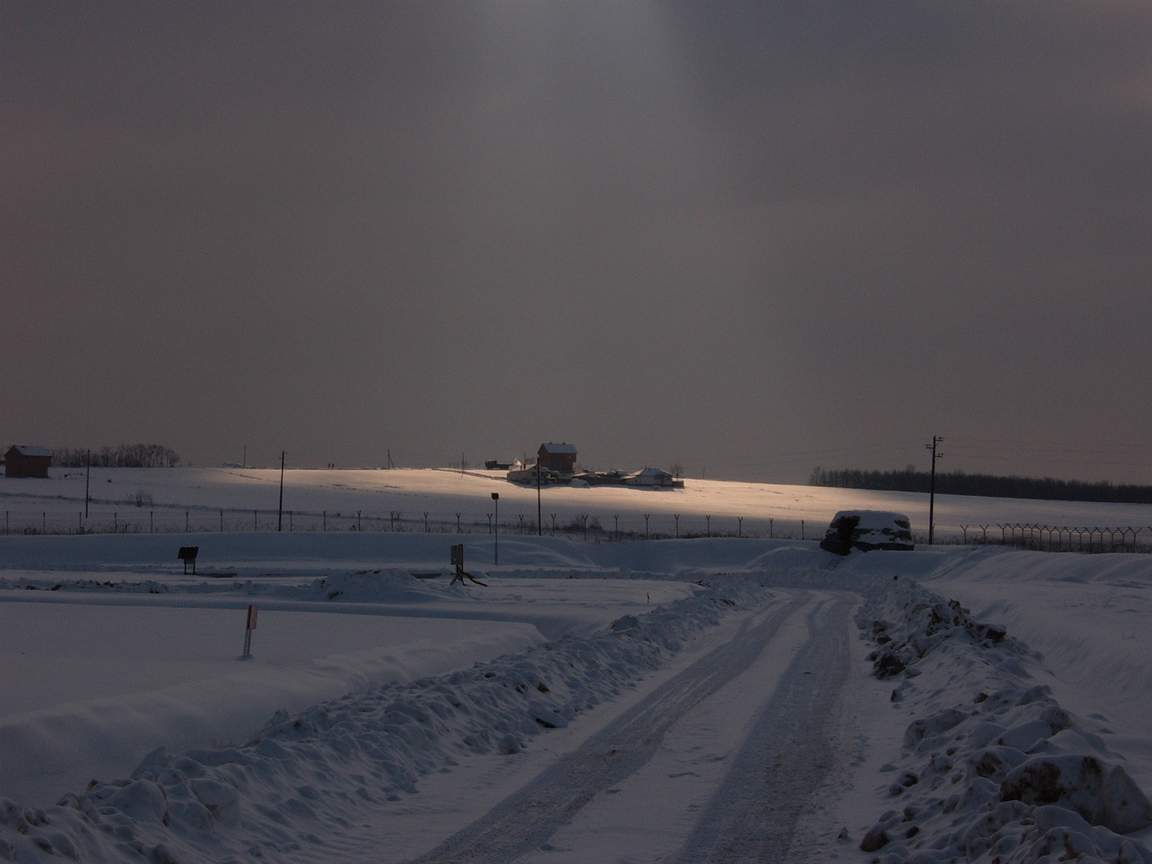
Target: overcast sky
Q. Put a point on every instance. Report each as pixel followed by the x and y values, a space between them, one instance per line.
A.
pixel 748 237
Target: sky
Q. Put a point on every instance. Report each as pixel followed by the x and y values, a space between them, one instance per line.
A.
pixel 747 238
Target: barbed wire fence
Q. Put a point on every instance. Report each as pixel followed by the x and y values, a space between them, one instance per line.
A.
pixel 591 527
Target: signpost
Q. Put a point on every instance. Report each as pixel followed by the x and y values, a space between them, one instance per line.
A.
pixel 249 626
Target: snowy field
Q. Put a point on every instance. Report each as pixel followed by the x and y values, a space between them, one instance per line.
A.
pixel 629 694
pixel 208 499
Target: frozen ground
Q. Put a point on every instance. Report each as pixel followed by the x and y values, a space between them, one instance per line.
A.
pixel 703 700
pixel 332 499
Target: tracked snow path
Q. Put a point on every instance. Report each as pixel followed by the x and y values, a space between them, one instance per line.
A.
pixel 752 816
pixel 527 819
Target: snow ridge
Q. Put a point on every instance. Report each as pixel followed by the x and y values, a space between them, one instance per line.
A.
pixel 288 793
pixel 993 769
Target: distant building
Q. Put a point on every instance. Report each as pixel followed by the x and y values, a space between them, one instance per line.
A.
pixel 557 457
pixel 497 465
pixel 652 477
pixel 24 461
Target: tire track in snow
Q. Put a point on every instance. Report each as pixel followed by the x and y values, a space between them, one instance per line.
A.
pixel 753 815
pixel 527 819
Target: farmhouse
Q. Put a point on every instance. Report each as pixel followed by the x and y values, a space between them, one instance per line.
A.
pixel 24 461
pixel 557 457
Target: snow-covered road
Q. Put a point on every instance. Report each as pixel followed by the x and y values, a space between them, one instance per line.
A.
pixel 748 796
pixel 681 701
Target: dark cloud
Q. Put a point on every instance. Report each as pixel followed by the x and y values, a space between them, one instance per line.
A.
pixel 752 236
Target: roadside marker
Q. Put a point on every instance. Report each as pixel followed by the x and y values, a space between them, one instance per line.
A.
pixel 249 626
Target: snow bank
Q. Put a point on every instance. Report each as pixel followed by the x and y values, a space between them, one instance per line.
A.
pixel 993 768
pixel 296 784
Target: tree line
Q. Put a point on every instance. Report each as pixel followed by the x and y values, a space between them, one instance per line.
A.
pixel 120 456
pixel 908 479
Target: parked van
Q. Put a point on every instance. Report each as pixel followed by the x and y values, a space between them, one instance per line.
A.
pixel 867 529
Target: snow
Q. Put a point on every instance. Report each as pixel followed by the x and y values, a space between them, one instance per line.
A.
pixel 365 729
pixel 26 450
pixel 100 686
pixel 308 494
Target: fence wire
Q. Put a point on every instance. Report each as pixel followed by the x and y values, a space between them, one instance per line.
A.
pixel 592 527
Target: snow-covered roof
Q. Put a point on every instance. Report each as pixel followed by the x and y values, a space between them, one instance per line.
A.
pixel 560 448
pixel 26 450
pixel 650 472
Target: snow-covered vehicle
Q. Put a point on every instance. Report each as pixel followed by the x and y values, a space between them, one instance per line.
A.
pixel 867 529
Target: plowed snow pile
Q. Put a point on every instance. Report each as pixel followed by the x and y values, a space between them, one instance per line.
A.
pixel 993 769
pixel 297 784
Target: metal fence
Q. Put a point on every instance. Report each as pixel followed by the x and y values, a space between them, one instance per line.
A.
pixel 589 526
pixel 1059 538
pixel 592 527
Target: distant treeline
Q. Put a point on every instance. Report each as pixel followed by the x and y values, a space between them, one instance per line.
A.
pixel 120 456
pixel 991 485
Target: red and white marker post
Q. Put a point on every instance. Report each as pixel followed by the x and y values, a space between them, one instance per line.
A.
pixel 249 626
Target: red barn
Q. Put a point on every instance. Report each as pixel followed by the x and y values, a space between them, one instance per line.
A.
pixel 24 461
pixel 557 457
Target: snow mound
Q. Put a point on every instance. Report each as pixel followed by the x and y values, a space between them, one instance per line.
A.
pixel 1004 775
pixel 302 777
pixel 385 586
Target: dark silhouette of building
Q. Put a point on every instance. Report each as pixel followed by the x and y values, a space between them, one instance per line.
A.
pixel 24 461
pixel 558 457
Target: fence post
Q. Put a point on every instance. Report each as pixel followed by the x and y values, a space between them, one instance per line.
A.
pixel 616 528
pixel 323 520
pixel 771 528
pixel 553 524
pixel 151 521
pixel 357 520
pixel 221 521
pixel 708 522
pixel 425 521
pixel 647 535
pixel 802 537
pixel 676 519
pixel 739 526
pixel 457 523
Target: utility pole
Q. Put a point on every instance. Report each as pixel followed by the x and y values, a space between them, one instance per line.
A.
pixel 936 439
pixel 87 483
pixel 539 508
pixel 280 511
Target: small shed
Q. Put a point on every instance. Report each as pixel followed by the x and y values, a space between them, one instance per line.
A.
pixel 560 457
pixel 650 477
pixel 22 460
